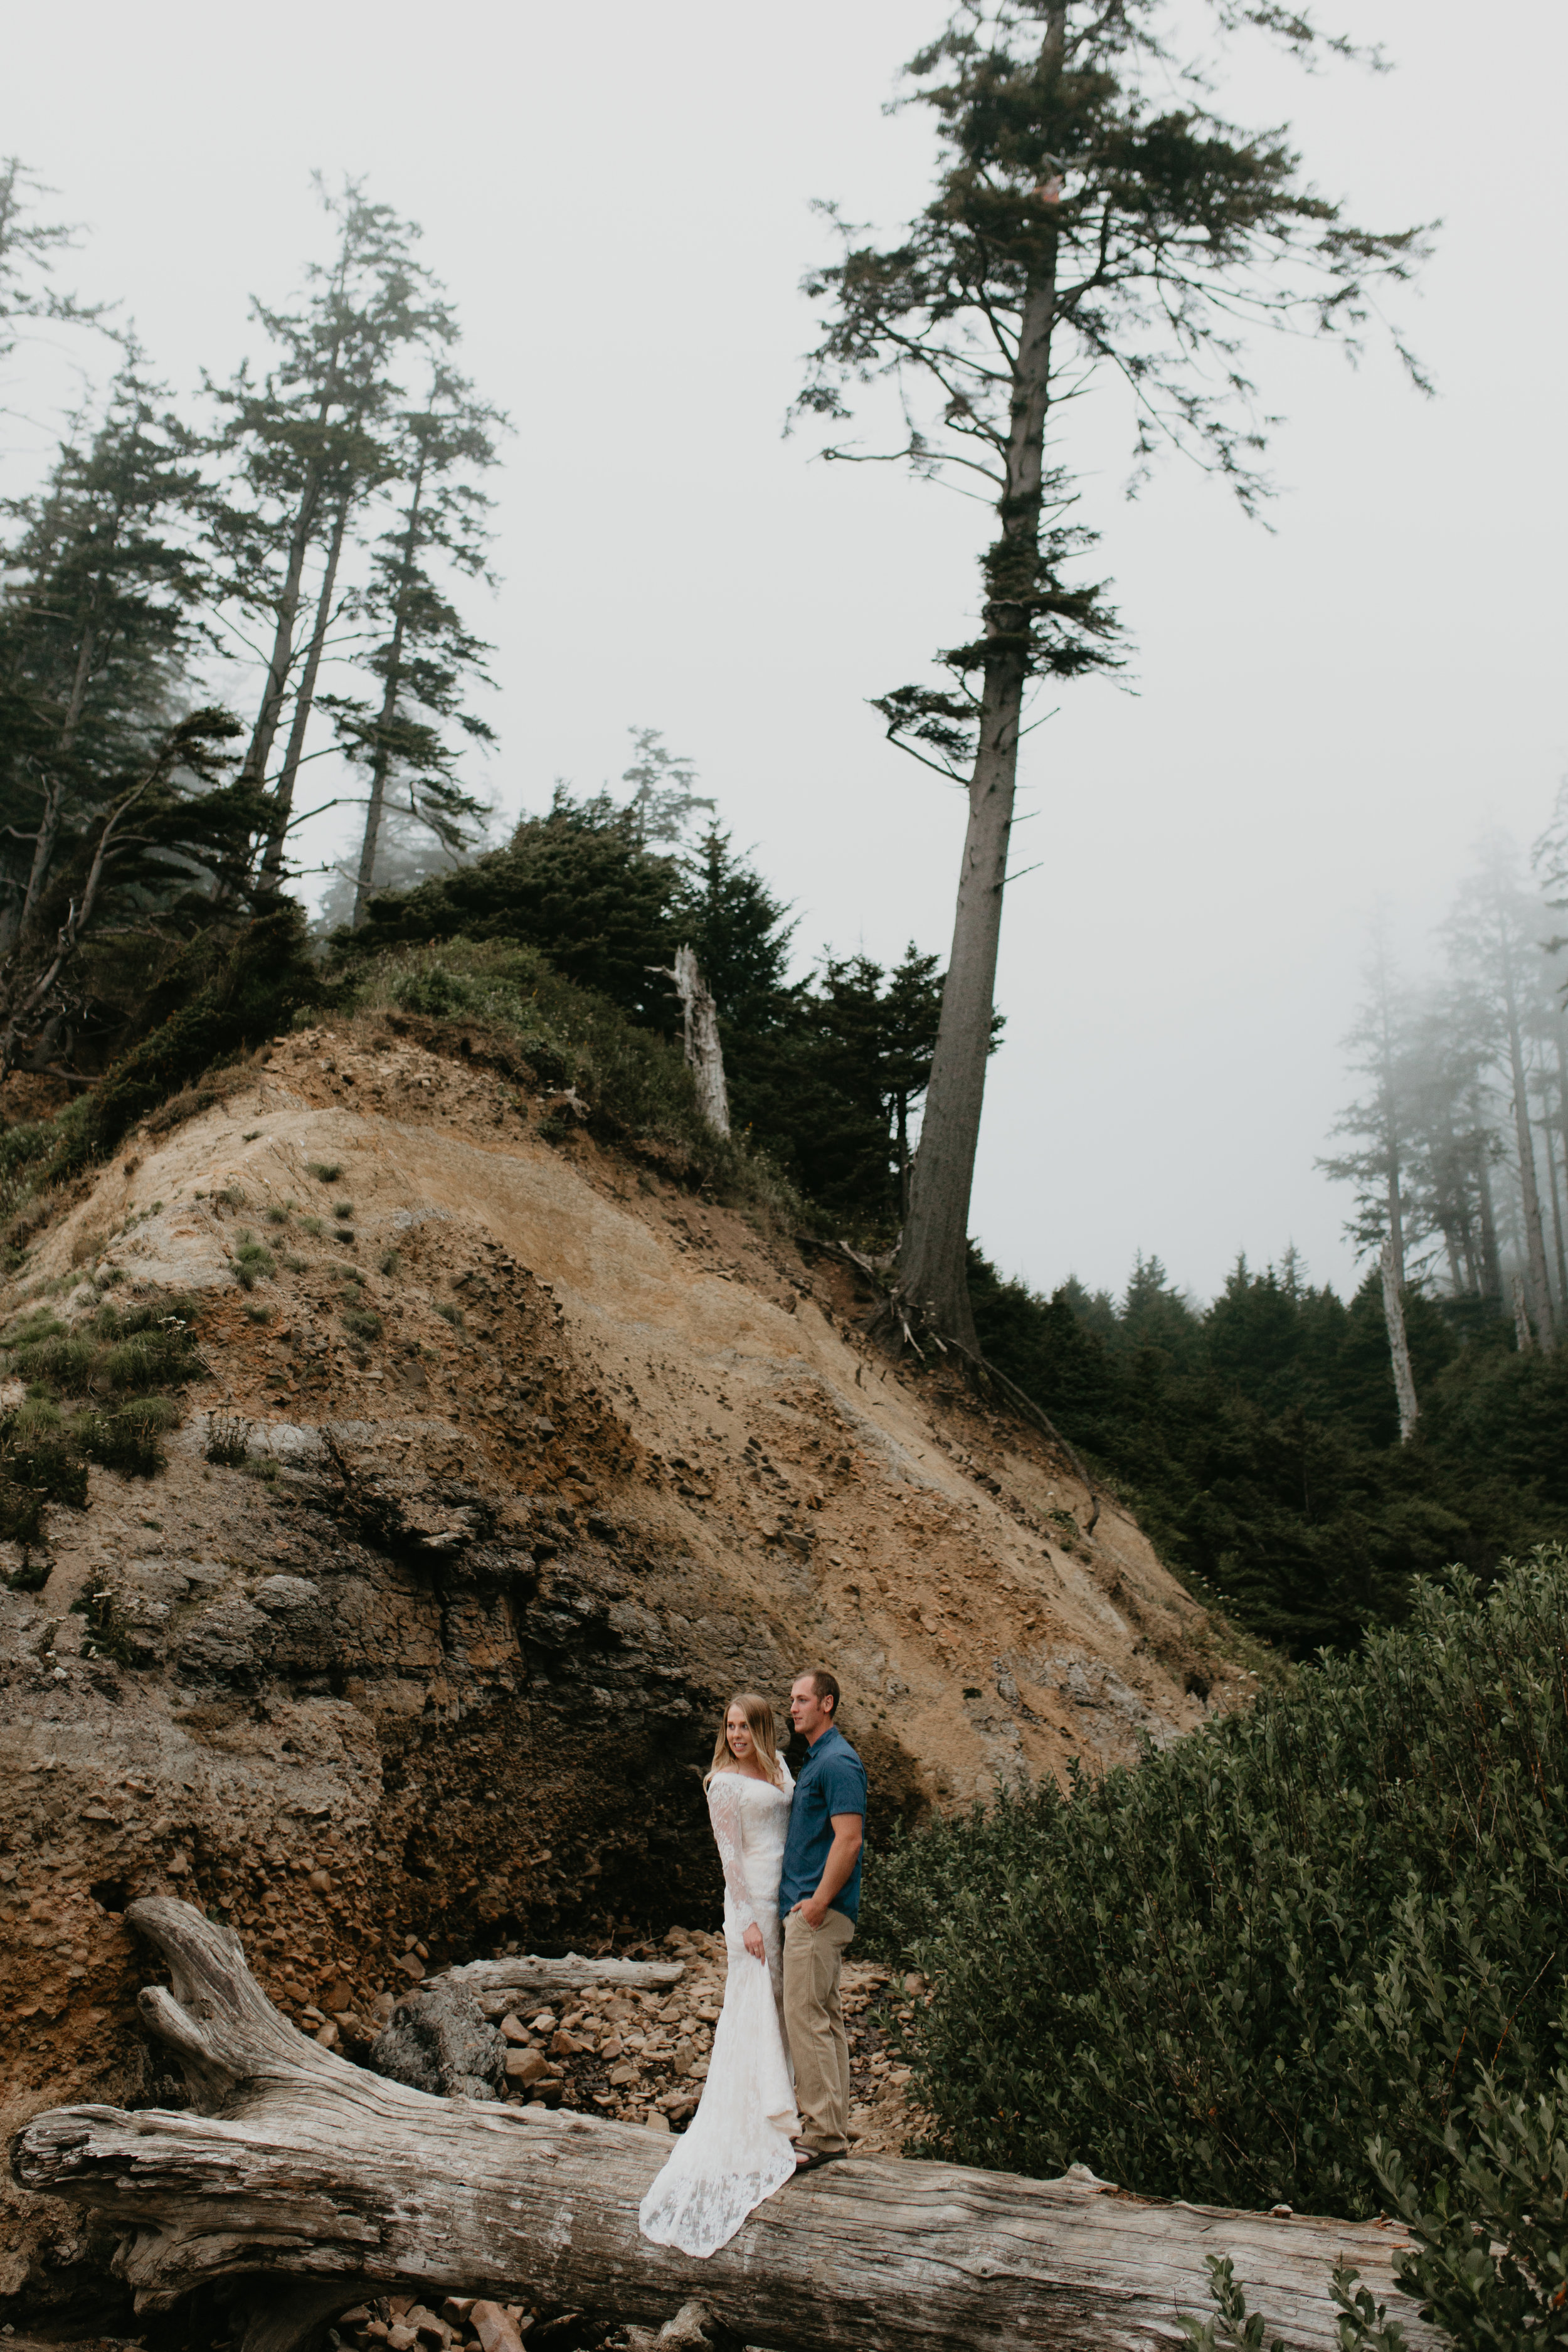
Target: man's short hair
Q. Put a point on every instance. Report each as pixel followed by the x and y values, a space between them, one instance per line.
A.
pixel 826 1685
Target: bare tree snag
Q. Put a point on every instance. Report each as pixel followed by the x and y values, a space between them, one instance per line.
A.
pixel 309 2183
pixel 704 1053
pixel 1398 1344
pixel 1523 1335
pixel 500 1985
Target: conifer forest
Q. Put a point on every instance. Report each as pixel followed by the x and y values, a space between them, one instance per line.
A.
pixel 1273 1922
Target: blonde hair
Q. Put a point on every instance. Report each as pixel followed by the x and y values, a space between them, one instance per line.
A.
pixel 759 1718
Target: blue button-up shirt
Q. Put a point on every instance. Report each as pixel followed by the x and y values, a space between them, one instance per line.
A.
pixel 832 1780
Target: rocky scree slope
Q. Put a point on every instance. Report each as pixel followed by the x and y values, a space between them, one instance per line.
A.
pixel 511 1457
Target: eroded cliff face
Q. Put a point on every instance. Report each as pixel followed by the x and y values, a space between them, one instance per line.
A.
pixel 543 1458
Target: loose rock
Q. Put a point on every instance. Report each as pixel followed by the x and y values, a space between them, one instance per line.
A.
pixel 438 2041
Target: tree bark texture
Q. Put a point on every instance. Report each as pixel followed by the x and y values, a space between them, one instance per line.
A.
pixel 933 1254
pixel 1398 1346
pixel 319 2183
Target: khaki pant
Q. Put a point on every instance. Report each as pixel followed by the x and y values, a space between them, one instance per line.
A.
pixel 814 2025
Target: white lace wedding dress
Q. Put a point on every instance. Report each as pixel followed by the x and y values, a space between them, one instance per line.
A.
pixel 736 2150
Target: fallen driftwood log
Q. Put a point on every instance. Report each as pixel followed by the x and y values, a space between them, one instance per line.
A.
pixel 309 2184
pixel 500 1985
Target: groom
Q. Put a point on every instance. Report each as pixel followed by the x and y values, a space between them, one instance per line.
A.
pixel 819 1896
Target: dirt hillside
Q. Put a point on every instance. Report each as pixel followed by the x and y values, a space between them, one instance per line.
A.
pixel 535 1457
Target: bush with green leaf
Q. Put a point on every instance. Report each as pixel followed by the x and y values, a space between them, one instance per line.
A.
pixel 252 1259
pixel 1224 1973
pixel 120 1361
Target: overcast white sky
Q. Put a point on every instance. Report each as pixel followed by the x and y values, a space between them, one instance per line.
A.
pixel 618 198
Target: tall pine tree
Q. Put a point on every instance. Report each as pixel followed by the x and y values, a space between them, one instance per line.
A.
pixel 1092 214
pixel 424 657
pixel 303 452
pixel 97 630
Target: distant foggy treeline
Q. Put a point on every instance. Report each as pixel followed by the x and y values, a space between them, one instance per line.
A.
pixel 1455 1143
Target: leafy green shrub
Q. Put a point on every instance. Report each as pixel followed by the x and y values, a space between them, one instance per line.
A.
pixel 325 1171
pixel 39 1463
pixel 275 1216
pixel 129 1438
pixel 315 1226
pixel 1363 2328
pixel 153 1357
pixel 363 1321
pixel 252 1259
pixel 342 1208
pixel 1223 1973
pixel 451 1314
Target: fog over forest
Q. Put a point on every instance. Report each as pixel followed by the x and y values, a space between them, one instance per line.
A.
pixel 1316 719
pixel 869 737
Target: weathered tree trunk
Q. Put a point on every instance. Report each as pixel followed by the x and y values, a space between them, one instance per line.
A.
pixel 933 1254
pixel 1398 1346
pixel 304 701
pixel 327 2183
pixel 1555 1195
pixel 281 662
pixel 1491 1257
pixel 1524 1137
pixel 1521 1330
pixel 501 1984
pixel 381 758
pixel 704 1052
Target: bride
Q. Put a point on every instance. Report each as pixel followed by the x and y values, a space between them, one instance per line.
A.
pixel 736 2150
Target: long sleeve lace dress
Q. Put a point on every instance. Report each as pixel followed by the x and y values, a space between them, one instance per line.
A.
pixel 736 2150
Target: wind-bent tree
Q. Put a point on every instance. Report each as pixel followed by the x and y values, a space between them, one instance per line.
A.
pixel 426 656
pixel 97 630
pixel 142 872
pixel 305 450
pixel 1092 216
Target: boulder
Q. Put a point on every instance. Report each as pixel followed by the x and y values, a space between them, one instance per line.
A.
pixel 438 2041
